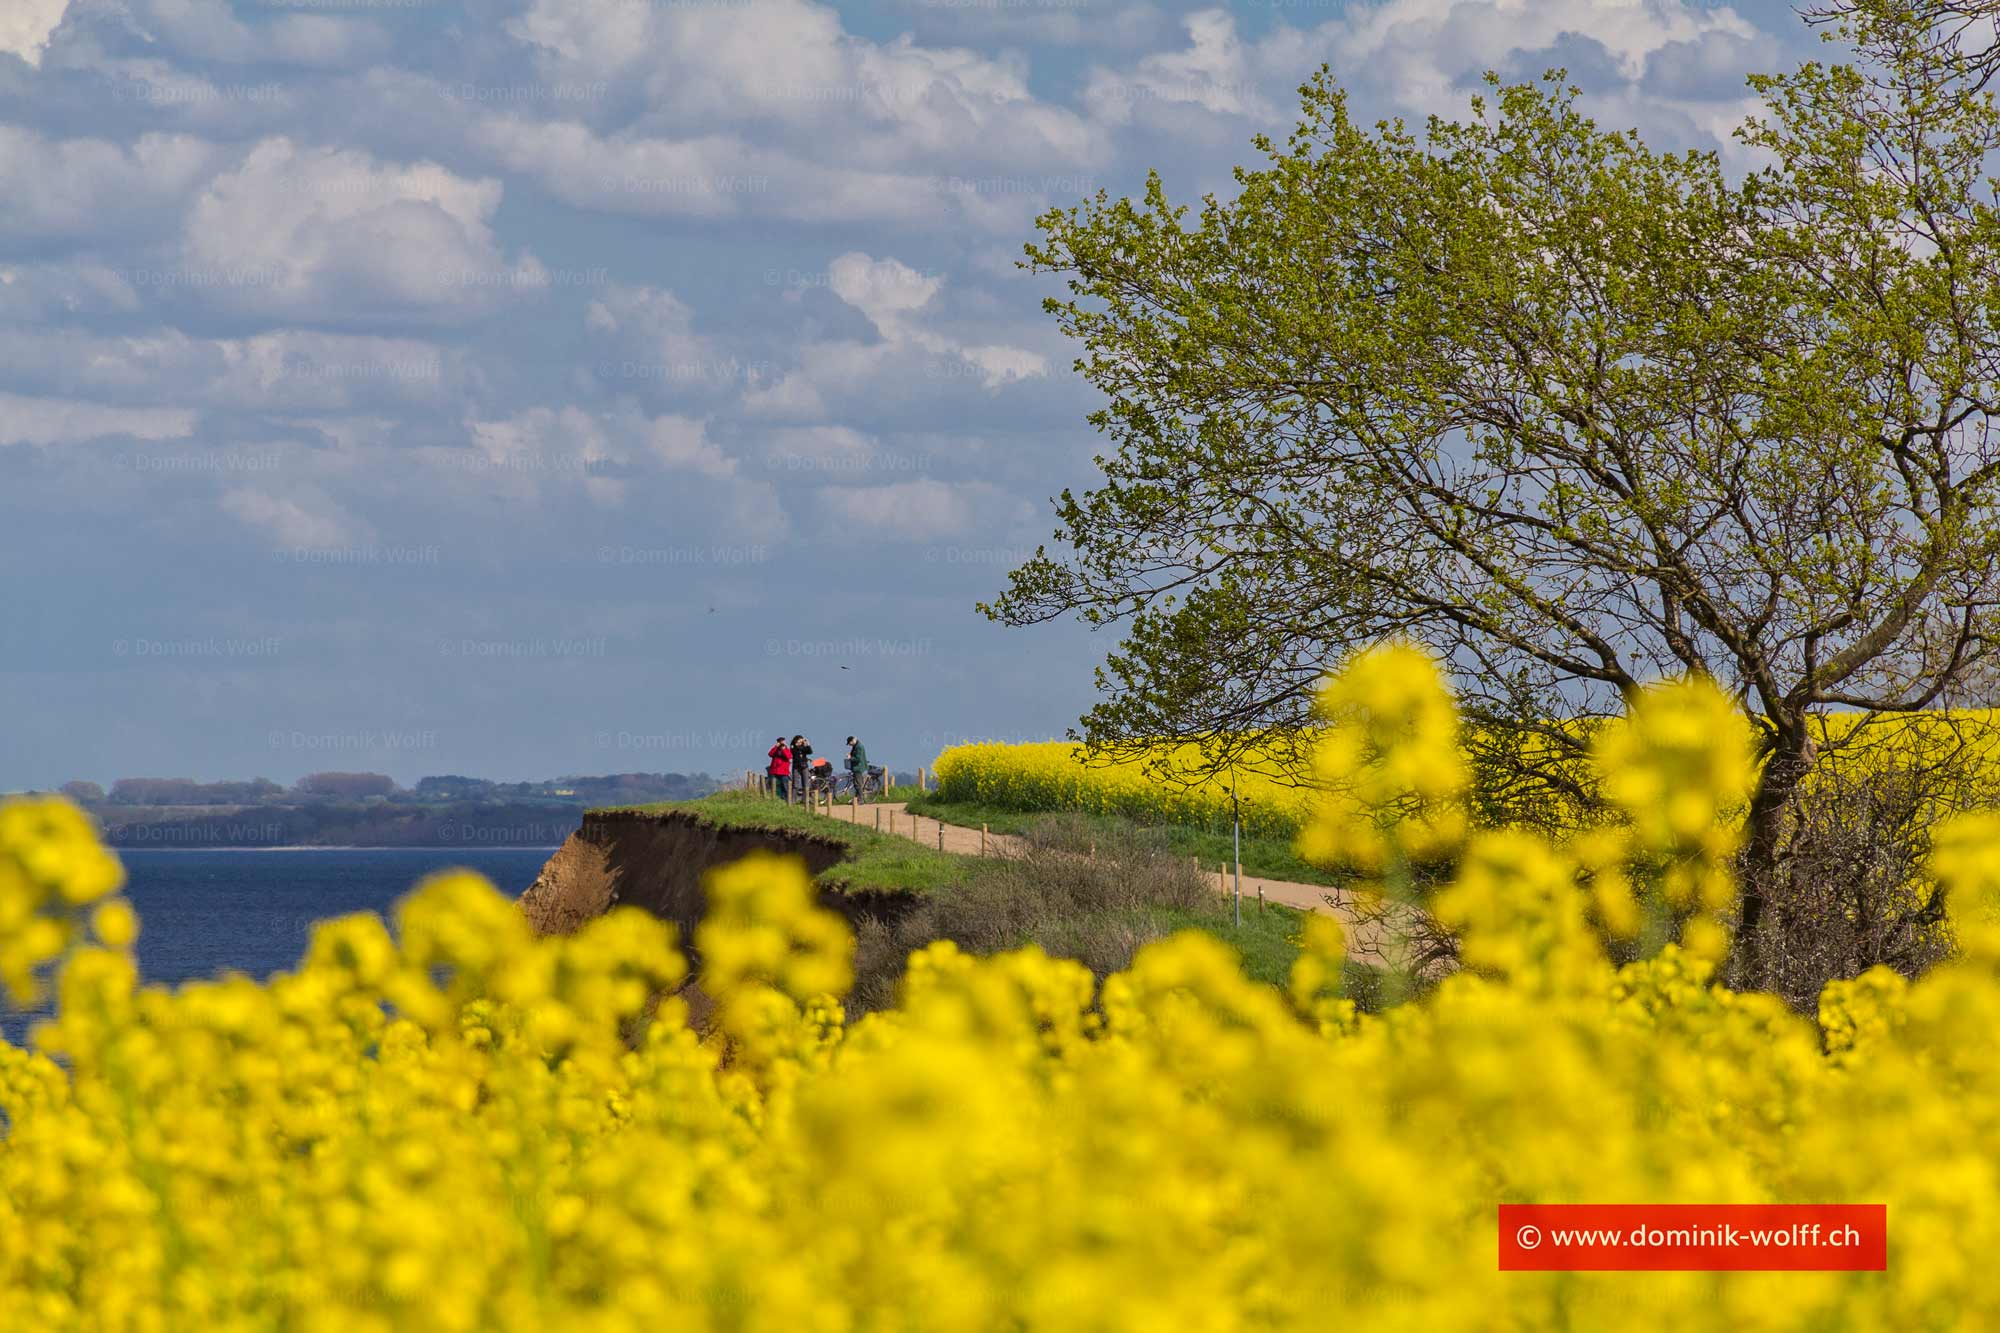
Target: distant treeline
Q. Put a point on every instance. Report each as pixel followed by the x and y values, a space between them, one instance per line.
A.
pixel 315 787
pixel 364 809
pixel 345 824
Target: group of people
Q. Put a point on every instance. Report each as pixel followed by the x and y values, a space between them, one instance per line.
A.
pixel 794 759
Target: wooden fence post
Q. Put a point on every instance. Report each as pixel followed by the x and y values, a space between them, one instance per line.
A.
pixel 878 819
pixel 940 835
pixel 982 839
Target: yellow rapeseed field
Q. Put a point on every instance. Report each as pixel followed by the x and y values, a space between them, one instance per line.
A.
pixel 452 1124
pixel 1170 783
pixel 1053 775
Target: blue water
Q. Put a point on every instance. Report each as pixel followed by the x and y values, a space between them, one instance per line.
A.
pixel 206 912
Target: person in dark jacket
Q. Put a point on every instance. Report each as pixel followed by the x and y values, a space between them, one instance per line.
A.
pixel 857 768
pixel 802 768
pixel 780 768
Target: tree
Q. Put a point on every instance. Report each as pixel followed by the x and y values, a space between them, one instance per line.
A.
pixel 350 786
pixel 1571 412
pixel 83 793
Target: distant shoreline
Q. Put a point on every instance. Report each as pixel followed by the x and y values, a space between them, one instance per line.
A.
pixel 352 847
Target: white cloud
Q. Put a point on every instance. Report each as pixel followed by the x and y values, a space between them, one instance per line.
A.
pixel 25 26
pixel 1435 41
pixel 885 290
pixel 773 109
pixel 32 294
pixel 1418 56
pixel 791 398
pixel 646 336
pixel 284 370
pixel 209 31
pixel 819 450
pixel 919 347
pixel 792 64
pixel 912 510
pixel 1422 53
pixel 76 189
pixel 1217 72
pixel 683 443
pixel 1065 23
pixel 892 295
pixel 831 443
pixel 25 420
pixel 302 369
pixel 546 443
pixel 317 233
pixel 719 176
pixel 288 522
pixel 1001 365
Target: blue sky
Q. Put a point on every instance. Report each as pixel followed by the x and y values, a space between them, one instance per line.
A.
pixel 555 386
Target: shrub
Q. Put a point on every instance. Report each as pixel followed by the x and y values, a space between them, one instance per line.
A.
pixel 1093 895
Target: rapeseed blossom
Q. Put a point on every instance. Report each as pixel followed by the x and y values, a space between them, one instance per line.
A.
pixel 453 1124
pixel 1173 789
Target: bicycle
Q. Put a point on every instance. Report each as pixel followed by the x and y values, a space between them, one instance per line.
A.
pixel 819 781
pixel 871 784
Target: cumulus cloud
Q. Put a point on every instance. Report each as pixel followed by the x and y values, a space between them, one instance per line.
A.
pixel 289 522
pixel 76 190
pixel 774 109
pixel 646 342
pixel 318 233
pixel 922 510
pixel 896 299
pixel 1065 23
pixel 885 290
pixel 1217 72
pixel 715 177
pixel 682 443
pixel 32 294
pixel 1709 67
pixel 1421 54
pixel 25 26
pixel 597 449
pixel 210 31
pixel 34 420
pixel 792 63
pixel 284 370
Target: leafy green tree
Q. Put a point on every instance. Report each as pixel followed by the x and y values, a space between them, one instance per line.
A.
pixel 1574 413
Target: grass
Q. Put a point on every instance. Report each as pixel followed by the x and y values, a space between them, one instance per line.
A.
pixel 1267 940
pixel 873 863
pixel 1270 858
pixel 1098 910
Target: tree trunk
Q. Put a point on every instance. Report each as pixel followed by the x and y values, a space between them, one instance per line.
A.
pixel 1758 865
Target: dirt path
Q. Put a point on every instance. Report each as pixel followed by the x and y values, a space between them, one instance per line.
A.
pixel 894 817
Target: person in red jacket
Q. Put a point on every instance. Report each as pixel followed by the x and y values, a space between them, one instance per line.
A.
pixel 780 768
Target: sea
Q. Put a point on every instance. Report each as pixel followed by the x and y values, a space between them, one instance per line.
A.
pixel 206 912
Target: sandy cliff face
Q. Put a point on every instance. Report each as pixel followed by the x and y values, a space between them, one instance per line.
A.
pixel 657 861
